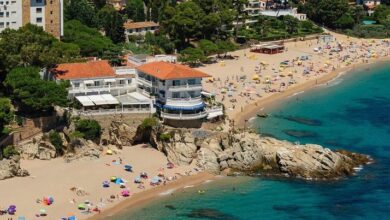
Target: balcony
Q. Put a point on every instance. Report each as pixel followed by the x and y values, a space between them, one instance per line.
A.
pixel 180 116
pixel 145 82
pixel 184 101
pixel 115 111
pixel 186 87
pixel 102 88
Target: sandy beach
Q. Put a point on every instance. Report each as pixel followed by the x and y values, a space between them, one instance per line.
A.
pixel 252 81
pixel 55 178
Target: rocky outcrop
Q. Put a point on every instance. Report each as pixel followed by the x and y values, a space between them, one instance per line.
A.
pixel 248 152
pixel 11 167
pixel 81 149
pixel 119 134
pixel 37 148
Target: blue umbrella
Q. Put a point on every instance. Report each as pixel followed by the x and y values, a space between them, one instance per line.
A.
pixel 128 168
pixel 137 179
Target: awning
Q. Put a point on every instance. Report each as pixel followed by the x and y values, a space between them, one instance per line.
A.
pixel 89 82
pixel 109 80
pixel 85 101
pixel 189 108
pixel 110 100
pixel 98 100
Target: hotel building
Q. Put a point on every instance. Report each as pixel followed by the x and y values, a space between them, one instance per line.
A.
pixel 47 14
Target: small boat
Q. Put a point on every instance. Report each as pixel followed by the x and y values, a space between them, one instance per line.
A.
pixel 262 115
pixel 201 191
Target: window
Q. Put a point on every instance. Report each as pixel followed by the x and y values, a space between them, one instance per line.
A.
pixel 39 20
pixel 96 83
pixel 76 85
pixel 191 94
pixel 191 82
pixel 129 81
pixel 39 10
pixel 51 21
pixel 121 82
pixel 1 24
pixel 176 82
pixel 39 1
pixel 176 95
pixel 1 14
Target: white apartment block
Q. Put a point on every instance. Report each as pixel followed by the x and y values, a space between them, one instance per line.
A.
pixel 47 14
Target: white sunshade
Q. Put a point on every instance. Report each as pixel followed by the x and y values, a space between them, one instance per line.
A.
pixel 109 80
pixel 139 96
pixel 85 101
pixel 110 100
pixel 89 82
pixel 98 99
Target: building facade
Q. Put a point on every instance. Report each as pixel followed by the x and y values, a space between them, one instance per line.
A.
pixel 47 14
pixel 140 28
pixel 101 89
pixel 176 88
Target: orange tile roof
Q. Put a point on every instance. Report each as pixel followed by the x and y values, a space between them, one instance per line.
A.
pixel 144 24
pixel 165 70
pixel 93 69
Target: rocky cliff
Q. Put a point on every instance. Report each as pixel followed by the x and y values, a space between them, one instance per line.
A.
pixel 11 168
pixel 249 153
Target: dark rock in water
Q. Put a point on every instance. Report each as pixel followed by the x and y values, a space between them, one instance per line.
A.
pixel 302 120
pixel 300 133
pixel 171 207
pixel 207 213
pixel 286 208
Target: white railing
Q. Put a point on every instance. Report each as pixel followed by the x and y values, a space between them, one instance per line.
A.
pixel 181 116
pixel 184 101
pixel 112 111
pixel 144 81
pixel 185 87
pixel 100 88
pixel 214 109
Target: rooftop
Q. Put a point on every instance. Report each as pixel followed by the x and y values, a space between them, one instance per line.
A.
pixel 92 69
pixel 143 24
pixel 165 71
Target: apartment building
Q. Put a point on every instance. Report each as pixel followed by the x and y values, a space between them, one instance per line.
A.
pixel 101 89
pixel 177 90
pixel 47 14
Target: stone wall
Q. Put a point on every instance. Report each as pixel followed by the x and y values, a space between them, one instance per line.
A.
pixel 53 17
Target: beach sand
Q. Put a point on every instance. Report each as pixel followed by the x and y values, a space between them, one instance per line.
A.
pixel 55 178
pixel 234 85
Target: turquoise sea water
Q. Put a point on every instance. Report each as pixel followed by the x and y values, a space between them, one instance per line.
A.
pixel 352 112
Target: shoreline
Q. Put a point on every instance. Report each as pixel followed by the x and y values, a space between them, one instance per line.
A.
pixel 143 198
pixel 261 104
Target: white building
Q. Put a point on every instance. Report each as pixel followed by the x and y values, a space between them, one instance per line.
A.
pixel 101 89
pixel 292 12
pixel 140 28
pixel 44 13
pixel 140 59
pixel 177 91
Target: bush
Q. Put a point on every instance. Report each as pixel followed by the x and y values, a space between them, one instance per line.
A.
pixel 148 123
pixel 165 136
pixel 9 151
pixel 56 141
pixel 90 129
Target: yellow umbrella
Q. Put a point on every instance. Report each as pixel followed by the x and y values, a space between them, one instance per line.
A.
pixel 255 77
pixel 109 152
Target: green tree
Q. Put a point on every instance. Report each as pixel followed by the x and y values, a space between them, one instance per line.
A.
pixel 381 13
pixel 56 141
pixel 32 46
pixel 192 56
pixel 5 113
pixel 90 129
pixel 99 3
pixel 81 10
pixel 33 95
pixel 208 47
pixel 135 10
pixel 291 24
pixel 9 151
pixel 345 21
pixel 90 40
pixel 112 23
pixel 225 46
pixel 325 11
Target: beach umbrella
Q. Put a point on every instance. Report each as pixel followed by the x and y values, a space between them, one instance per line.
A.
pixel 170 165
pixel 155 180
pixel 128 168
pixel 42 212
pixel 255 77
pixel 81 206
pixel 106 184
pixel 113 178
pixel 72 218
pixel 137 179
pixel 119 181
pixel 125 193
pixel 109 152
